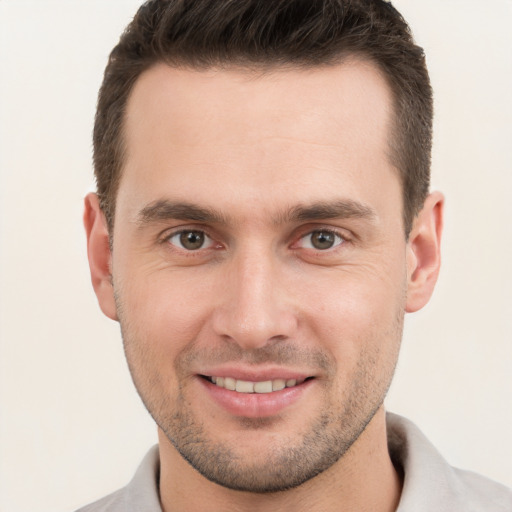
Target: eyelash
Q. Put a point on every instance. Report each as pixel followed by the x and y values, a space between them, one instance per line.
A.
pixel 340 239
pixel 169 236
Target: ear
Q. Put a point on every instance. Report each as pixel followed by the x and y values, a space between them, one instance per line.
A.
pixel 424 252
pixel 100 257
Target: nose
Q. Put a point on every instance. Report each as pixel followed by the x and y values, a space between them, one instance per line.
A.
pixel 256 308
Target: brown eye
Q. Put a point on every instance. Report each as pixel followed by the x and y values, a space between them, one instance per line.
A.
pixel 191 240
pixel 321 240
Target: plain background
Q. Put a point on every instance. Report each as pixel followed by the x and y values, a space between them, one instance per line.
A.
pixel 72 427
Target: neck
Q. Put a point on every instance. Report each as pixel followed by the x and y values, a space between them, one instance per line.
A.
pixel 364 479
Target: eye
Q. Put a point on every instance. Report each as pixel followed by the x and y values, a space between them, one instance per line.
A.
pixel 321 240
pixel 191 240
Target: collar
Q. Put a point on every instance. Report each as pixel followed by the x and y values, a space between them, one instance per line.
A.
pixel 430 483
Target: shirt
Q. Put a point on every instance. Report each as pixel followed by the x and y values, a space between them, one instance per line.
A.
pixel 430 483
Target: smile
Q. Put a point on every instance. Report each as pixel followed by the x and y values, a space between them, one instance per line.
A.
pixel 251 396
pixel 243 386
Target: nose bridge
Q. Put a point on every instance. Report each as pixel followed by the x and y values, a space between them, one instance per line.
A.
pixel 256 309
pixel 253 277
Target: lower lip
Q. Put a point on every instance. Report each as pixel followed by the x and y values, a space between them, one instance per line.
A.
pixel 255 405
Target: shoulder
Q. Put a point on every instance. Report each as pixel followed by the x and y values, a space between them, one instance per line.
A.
pixel 481 493
pixel 112 503
pixel 141 494
pixel 430 483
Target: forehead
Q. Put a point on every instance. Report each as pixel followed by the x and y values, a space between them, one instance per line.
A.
pixel 212 134
pixel 247 97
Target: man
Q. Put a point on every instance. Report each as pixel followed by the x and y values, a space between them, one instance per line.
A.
pixel 263 221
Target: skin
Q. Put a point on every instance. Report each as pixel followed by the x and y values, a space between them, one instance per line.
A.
pixel 267 162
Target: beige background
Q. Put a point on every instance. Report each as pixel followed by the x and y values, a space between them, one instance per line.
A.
pixel 71 425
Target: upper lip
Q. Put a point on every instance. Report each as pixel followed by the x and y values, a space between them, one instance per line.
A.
pixel 255 374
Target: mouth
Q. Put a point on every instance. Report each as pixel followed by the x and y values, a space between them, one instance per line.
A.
pixel 244 393
pixel 248 387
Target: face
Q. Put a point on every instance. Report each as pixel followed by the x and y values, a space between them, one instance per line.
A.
pixel 259 265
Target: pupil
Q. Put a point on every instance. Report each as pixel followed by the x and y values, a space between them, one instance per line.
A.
pixel 192 240
pixel 322 240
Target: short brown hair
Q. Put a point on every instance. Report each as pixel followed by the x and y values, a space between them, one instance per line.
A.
pixel 302 33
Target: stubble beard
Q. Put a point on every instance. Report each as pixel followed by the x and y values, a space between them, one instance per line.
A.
pixel 287 465
pixel 288 462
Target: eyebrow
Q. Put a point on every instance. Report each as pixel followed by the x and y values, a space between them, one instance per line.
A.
pixel 340 209
pixel 162 210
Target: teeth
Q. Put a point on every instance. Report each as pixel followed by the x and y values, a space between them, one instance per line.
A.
pixel 229 383
pixel 243 386
pixel 263 387
pixel 278 384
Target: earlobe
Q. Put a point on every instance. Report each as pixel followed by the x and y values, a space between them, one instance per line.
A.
pixel 99 254
pixel 424 252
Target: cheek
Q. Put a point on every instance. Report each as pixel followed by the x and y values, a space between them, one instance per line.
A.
pixel 358 311
pixel 361 327
pixel 164 310
pixel 158 321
